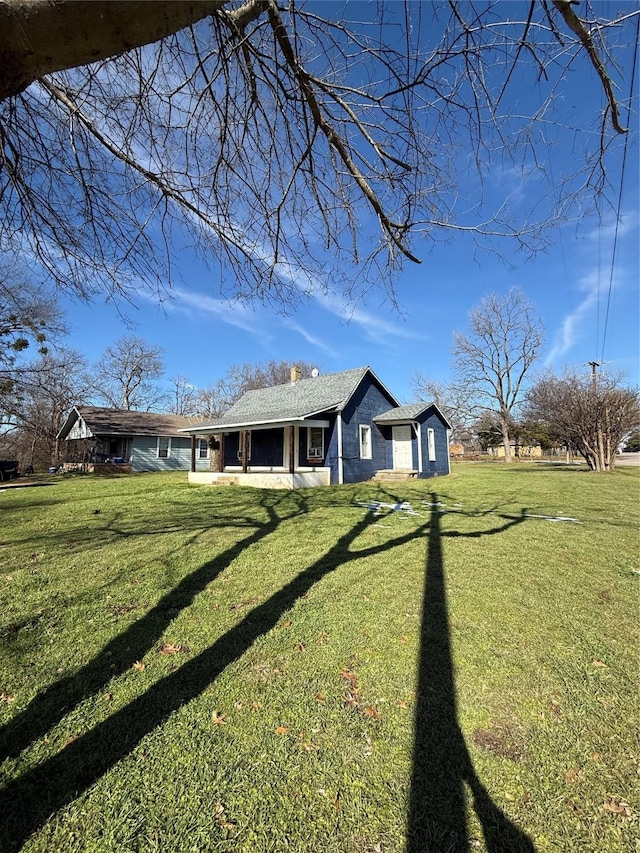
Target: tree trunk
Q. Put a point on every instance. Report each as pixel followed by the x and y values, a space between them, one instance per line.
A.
pixel 506 441
pixel 38 37
pixel 216 454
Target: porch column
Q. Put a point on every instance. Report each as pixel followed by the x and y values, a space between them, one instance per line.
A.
pixel 193 453
pixel 245 434
pixel 292 450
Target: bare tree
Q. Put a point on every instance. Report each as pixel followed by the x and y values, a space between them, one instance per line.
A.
pixel 215 399
pixel 493 360
pixel 41 396
pixel 296 147
pixel 182 397
pixel 590 415
pixel 125 376
pixel 453 402
pixel 29 316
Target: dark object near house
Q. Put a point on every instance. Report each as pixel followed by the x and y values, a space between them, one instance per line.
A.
pixel 9 469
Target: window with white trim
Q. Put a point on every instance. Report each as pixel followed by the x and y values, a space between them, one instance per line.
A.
pixel 203 448
pixel 365 441
pixel 315 443
pixel 431 441
pixel 164 447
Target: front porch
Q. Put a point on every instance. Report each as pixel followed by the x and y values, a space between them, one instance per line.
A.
pixel 280 455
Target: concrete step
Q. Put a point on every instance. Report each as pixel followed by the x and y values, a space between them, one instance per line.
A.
pixel 395 474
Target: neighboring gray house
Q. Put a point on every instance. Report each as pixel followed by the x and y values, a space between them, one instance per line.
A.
pixel 137 441
pixel 339 428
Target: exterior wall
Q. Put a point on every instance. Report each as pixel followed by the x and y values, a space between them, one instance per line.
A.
pixel 144 456
pixel 367 402
pixel 439 466
pixel 79 430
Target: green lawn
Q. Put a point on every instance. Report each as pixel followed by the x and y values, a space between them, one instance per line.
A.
pixel 194 669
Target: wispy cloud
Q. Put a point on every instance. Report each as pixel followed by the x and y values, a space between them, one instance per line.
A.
pixel 594 285
pixel 374 326
pixel 312 339
pixel 574 323
pixel 234 314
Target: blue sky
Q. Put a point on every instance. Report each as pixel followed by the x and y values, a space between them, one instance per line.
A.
pixel 202 334
pixel 587 297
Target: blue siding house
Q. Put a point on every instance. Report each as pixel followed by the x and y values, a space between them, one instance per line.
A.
pixel 100 439
pixel 337 428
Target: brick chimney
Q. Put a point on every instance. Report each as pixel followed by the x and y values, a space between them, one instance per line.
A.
pixel 296 373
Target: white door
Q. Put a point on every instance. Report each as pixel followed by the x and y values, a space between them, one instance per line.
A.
pixel 402 456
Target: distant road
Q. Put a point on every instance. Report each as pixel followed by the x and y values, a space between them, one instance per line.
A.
pixel 628 459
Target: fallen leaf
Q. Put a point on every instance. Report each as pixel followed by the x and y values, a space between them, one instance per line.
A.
pixel 598 663
pixel 6 697
pixel 617 806
pixel 336 803
pixel 572 775
pixel 287 624
pixel 320 698
pixel 108 697
pixel 349 676
pixel 404 641
pixel 255 706
pixel 71 739
pixel 139 666
pixel 282 730
pixel 402 704
pixel 237 706
pixel 351 700
pixel 556 710
pixel 372 711
pixel 309 746
pixel 301 647
pixel 218 719
pixel 322 638
pixel 172 649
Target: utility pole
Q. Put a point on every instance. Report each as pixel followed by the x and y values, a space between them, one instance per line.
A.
pixel 600 437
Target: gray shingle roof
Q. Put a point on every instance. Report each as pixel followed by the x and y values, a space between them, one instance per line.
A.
pixel 302 399
pixel 402 413
pixel 103 421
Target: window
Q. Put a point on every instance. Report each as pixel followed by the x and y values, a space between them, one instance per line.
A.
pixel 315 443
pixel 431 439
pixel 164 447
pixel 203 448
pixel 365 441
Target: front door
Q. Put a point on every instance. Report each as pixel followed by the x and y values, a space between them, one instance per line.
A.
pixel 402 456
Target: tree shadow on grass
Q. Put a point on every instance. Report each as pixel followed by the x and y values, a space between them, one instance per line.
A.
pixel 49 707
pixel 437 821
pixel 28 801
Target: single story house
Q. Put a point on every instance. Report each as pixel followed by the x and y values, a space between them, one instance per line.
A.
pixel 336 428
pixel 96 437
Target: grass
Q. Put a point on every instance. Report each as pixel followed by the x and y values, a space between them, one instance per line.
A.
pixel 196 669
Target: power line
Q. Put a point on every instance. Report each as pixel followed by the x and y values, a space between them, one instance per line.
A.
pixel 622 171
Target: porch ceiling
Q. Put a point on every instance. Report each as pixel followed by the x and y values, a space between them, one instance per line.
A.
pixel 212 429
